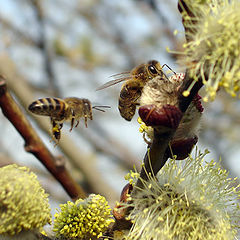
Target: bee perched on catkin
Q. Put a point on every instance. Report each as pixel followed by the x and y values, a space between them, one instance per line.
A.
pixel 157 95
pixel 132 89
pixel 159 109
pixel 61 110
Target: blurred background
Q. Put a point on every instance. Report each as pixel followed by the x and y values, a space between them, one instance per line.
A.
pixel 60 48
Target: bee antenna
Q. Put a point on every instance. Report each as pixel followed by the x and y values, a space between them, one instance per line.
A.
pixel 168 68
pixel 99 108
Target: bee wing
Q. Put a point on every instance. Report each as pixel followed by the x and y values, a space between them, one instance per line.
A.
pixel 120 77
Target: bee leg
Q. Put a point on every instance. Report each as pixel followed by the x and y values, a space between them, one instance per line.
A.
pixel 77 123
pixel 72 123
pixel 72 120
pixel 150 112
pixel 56 131
pixel 85 120
pixel 85 111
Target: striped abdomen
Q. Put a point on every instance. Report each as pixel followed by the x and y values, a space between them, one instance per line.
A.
pixel 54 107
pixel 128 101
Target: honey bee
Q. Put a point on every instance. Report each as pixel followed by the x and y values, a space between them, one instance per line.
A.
pixel 61 110
pixel 132 89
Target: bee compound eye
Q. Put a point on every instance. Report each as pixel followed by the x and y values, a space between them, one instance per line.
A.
pixel 152 70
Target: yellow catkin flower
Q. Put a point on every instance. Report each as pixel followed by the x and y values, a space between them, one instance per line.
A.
pixel 188 200
pixel 85 219
pixel 146 130
pixel 214 44
pixel 23 202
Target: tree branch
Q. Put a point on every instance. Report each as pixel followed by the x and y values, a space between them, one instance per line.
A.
pixel 155 158
pixel 33 143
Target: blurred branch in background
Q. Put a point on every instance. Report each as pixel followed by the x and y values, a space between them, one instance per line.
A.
pixel 27 39
pixel 154 6
pixel 100 139
pixel 48 64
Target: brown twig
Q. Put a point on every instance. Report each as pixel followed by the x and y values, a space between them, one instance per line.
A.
pixel 155 158
pixel 189 22
pixel 33 143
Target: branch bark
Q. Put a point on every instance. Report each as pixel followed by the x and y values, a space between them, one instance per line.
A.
pixel 155 158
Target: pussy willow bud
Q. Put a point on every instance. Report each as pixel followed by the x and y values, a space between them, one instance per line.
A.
pixel 85 219
pixel 188 200
pixel 213 50
pixel 24 206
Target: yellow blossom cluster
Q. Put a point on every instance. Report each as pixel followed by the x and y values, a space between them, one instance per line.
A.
pixel 214 44
pixel 188 200
pixel 147 131
pixel 23 202
pixel 84 219
pixel 132 176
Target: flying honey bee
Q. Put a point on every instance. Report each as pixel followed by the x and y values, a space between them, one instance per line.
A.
pixel 131 90
pixel 61 110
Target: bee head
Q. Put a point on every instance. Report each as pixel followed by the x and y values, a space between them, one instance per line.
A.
pixel 154 69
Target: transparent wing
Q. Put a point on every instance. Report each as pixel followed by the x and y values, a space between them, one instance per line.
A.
pixel 120 77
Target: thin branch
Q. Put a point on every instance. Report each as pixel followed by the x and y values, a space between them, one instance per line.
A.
pixel 187 22
pixel 34 144
pixel 156 157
